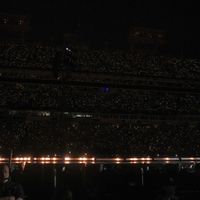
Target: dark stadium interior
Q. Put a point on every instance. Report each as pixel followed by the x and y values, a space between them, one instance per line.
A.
pixel 99 100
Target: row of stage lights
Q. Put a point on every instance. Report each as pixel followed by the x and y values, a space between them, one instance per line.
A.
pixel 93 160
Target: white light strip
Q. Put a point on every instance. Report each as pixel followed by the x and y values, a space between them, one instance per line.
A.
pixel 139 159
pixel 85 159
pixel 3 159
pixel 109 159
pixel 166 159
pixel 22 158
pixel 191 158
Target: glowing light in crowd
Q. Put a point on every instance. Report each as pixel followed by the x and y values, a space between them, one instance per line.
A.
pixel 134 159
pixel 2 159
pixel 22 159
pixel 83 158
pixel 134 162
pixel 67 49
pixel 86 159
pixel 67 158
pixel 118 159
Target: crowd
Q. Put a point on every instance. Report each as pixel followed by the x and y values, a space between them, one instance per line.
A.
pixel 40 56
pixel 96 99
pixel 99 137
pixel 92 136
pixel 137 64
pixel 100 79
pixel 36 56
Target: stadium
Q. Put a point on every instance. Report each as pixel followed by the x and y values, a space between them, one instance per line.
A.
pixel 104 109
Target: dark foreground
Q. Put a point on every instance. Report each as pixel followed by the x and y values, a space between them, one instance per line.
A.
pixel 109 181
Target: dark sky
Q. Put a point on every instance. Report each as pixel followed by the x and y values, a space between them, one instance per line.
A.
pixel 180 19
pixel 152 13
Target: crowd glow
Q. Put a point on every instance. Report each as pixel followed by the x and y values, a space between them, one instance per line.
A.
pixel 93 160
